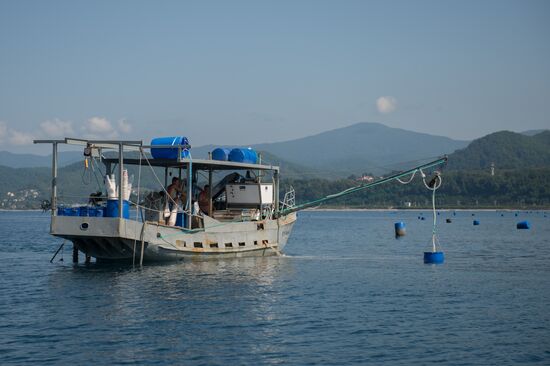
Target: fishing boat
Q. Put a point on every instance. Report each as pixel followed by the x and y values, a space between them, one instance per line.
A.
pixel 240 214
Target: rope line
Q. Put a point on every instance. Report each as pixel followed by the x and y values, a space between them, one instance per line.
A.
pixel 362 187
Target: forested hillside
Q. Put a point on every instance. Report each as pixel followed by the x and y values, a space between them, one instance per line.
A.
pixel 507 150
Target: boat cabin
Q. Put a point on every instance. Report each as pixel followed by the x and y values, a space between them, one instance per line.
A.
pixel 169 186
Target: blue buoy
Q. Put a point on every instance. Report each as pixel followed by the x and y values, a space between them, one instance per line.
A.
pixel 400 229
pixel 501 215
pixel 434 257
pixel 516 214
pixel 422 218
pixel 476 222
pixel 454 213
pixel 523 225
pixel 473 214
pixel 448 221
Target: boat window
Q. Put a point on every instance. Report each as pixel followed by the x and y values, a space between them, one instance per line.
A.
pixel 213 245
pixel 242 244
pixel 181 242
pixel 197 244
pixel 229 245
pixel 255 242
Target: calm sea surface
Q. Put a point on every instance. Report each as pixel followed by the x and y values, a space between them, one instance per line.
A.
pixel 347 293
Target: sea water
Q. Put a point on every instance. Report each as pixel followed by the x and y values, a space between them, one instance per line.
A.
pixel 346 293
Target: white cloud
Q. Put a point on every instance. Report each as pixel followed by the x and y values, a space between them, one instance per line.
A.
pixel 57 128
pixel 20 138
pixel 99 127
pixel 14 137
pixel 3 130
pixel 124 126
pixel 386 104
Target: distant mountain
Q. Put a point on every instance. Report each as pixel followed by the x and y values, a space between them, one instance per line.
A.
pixel 533 132
pixel 362 147
pixel 507 150
pixel 33 161
pixel 359 148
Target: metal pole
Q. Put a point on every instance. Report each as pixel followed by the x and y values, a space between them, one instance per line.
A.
pixel 75 253
pixel 108 169
pixel 189 193
pixel 54 179
pixel 259 172
pixel 210 192
pixel 276 182
pixel 120 173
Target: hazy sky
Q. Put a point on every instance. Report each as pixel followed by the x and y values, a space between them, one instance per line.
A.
pixel 241 72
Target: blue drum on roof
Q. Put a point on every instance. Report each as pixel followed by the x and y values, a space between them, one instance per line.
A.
pixel 221 153
pixel 169 153
pixel 243 155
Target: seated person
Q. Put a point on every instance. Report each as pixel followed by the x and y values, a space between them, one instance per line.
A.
pixel 175 196
pixel 204 201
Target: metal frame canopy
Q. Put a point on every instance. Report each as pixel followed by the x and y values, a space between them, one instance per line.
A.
pixel 137 145
pixel 199 164
pixel 122 146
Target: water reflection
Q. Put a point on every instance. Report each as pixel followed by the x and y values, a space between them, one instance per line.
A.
pixel 214 300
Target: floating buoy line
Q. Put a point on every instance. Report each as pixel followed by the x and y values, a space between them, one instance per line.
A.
pixel 436 254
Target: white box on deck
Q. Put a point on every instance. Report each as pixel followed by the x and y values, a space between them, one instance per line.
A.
pixel 266 193
pixel 249 194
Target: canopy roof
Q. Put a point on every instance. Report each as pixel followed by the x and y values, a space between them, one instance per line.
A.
pixel 136 146
pixel 198 164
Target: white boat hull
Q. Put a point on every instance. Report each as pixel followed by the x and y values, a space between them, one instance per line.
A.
pixel 107 238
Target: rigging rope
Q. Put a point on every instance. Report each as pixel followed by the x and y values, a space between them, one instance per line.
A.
pixel 137 208
pixel 362 187
pixel 433 186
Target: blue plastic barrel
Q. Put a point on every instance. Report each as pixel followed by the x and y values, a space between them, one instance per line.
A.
pixel 168 153
pixel 242 155
pixel 476 222
pixel 83 211
pixel 400 229
pixel 71 211
pixel 181 220
pixel 434 257
pixel 112 209
pixel 60 211
pixel 221 153
pixel 523 225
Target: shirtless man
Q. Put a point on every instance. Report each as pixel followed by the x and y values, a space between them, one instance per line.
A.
pixel 174 190
pixel 204 202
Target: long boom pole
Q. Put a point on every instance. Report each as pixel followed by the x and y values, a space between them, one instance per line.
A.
pixel 361 187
